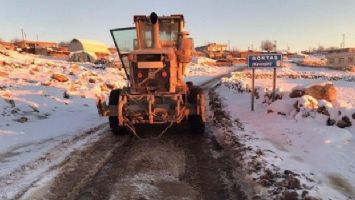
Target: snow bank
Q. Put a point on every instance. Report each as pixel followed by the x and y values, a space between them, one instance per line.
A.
pixel 42 98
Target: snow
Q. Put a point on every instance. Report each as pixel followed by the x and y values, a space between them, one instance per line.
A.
pixel 305 145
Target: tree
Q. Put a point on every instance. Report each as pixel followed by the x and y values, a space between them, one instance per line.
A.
pixel 267 45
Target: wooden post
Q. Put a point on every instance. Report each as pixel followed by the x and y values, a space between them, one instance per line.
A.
pixel 252 90
pixel 274 86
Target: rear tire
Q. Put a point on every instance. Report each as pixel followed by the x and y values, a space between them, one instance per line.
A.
pixel 113 120
pixel 196 124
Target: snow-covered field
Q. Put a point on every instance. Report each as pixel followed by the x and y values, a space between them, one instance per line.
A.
pixel 322 155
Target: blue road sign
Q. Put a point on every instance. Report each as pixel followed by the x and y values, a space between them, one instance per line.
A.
pixel 264 60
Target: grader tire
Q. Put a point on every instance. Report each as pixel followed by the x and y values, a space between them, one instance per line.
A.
pixel 196 125
pixel 113 120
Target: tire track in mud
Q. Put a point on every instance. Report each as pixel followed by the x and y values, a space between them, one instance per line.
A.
pixel 78 169
pixel 177 166
pixel 16 183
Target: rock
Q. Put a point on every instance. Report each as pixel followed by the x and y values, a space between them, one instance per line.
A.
pixel 344 122
pixel 92 80
pixel 289 195
pixel 293 183
pixel 297 92
pixel 304 193
pixel 323 110
pixel 327 92
pixel 47 83
pixel 66 95
pixel 60 77
pixel 307 197
pixel 331 122
pixel 353 116
pixel 4 74
pixel 22 119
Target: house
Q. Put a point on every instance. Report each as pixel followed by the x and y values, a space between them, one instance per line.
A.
pixel 213 50
pixel 83 50
pixel 344 57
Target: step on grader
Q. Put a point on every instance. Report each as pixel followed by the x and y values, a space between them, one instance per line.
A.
pixel 154 54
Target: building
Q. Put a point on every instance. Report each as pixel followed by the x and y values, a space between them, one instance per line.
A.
pixel 344 57
pixel 83 50
pixel 34 44
pixel 213 50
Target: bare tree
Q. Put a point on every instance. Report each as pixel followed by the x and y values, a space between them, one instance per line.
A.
pixel 267 45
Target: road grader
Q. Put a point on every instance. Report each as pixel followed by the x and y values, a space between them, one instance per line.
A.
pixel 154 55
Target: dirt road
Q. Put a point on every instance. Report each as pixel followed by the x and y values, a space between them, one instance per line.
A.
pixel 179 165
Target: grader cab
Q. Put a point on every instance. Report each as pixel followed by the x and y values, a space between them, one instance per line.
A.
pixel 154 55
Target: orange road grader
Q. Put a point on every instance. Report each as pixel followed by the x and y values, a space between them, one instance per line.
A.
pixel 154 55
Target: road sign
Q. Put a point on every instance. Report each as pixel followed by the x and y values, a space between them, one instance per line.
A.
pixel 264 60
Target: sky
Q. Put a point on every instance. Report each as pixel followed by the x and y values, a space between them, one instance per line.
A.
pixel 294 24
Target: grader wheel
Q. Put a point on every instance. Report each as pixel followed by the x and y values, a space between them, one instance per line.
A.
pixel 113 120
pixel 195 121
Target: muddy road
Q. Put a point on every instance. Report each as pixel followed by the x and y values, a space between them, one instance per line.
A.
pixel 178 165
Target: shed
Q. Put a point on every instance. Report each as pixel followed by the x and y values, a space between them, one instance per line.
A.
pixel 95 49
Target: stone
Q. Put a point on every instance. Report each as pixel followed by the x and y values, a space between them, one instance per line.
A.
pixel 289 195
pixel 323 110
pixel 60 77
pixel 4 74
pixel 331 122
pixel 92 80
pixel 353 116
pixel 22 119
pixel 297 92
pixel 326 92
pixel 66 95
pixel 344 122
pixel 293 183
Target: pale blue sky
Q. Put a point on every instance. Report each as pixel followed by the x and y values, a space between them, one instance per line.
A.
pixel 300 24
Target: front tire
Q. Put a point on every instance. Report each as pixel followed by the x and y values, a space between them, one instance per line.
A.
pixel 113 120
pixel 196 124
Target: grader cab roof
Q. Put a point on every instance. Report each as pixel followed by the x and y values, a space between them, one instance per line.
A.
pixel 171 17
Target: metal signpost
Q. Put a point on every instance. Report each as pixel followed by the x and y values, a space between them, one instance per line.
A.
pixel 264 61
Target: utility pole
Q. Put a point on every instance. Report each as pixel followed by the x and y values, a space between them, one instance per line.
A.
pixel 23 35
pixel 343 40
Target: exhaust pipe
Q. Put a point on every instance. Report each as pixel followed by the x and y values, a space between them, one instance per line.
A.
pixel 155 32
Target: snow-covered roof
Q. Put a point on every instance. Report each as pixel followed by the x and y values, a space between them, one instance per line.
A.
pixel 92 45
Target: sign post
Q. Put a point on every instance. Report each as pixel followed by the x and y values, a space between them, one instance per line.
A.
pixel 264 61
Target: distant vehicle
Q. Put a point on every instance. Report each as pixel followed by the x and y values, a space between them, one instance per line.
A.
pixel 154 55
